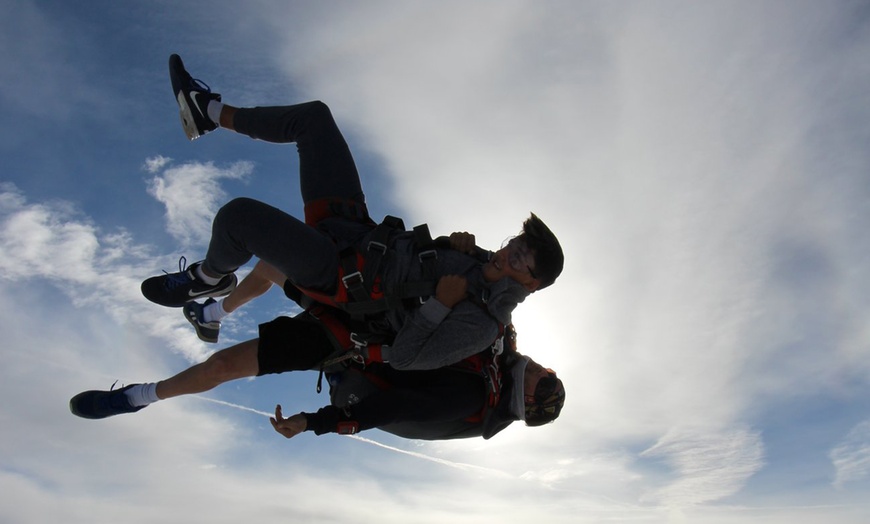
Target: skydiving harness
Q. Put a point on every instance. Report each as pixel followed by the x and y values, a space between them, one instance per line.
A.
pixel 355 350
pixel 361 296
pixel 359 291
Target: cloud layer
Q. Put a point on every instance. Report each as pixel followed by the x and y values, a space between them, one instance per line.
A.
pixel 704 166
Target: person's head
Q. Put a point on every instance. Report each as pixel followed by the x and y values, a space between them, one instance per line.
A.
pixel 533 258
pixel 545 247
pixel 543 393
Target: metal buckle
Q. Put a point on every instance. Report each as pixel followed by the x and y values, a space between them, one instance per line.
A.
pixel 358 342
pixel 378 246
pixel 429 253
pixel 498 346
pixel 352 280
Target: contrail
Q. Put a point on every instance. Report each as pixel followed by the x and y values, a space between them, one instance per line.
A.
pixel 457 465
pixel 243 408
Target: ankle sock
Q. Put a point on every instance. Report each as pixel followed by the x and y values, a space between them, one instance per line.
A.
pixel 214 111
pixel 142 394
pixel 214 312
pixel 200 274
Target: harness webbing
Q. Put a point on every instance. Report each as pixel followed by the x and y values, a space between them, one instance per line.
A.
pixel 360 292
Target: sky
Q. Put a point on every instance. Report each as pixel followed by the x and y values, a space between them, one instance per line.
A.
pixel 704 164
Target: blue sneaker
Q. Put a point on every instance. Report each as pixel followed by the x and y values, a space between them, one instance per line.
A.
pixel 177 289
pixel 206 331
pixel 193 97
pixel 102 404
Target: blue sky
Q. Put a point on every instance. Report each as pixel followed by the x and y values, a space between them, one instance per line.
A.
pixel 705 165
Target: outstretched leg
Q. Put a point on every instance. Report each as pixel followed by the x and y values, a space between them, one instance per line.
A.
pixel 285 344
pixel 232 363
pixel 239 361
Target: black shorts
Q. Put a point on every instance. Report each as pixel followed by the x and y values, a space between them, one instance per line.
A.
pixel 292 344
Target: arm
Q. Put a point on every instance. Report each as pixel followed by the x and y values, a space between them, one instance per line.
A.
pixel 433 336
pixel 421 397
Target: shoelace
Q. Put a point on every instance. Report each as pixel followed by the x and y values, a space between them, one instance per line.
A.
pixel 173 280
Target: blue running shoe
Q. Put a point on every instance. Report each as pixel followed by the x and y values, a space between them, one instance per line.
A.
pixel 177 289
pixel 102 404
pixel 193 97
pixel 206 331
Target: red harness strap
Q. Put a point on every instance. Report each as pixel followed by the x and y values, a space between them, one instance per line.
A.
pixel 347 208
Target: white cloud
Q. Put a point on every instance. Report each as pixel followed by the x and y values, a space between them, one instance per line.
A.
pixel 851 457
pixel 53 242
pixel 710 465
pixel 155 164
pixel 677 159
pixel 192 194
pixel 704 165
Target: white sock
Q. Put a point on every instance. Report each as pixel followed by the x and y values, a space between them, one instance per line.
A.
pixel 214 312
pixel 142 394
pixel 214 111
pixel 200 274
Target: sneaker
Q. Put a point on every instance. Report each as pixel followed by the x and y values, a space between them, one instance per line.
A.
pixel 102 404
pixel 193 97
pixel 206 331
pixel 177 289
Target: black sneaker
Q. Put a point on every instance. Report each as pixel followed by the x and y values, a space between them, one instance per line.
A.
pixel 177 289
pixel 206 331
pixel 193 97
pixel 102 404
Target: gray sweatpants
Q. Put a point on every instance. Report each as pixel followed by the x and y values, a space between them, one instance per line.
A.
pixel 245 227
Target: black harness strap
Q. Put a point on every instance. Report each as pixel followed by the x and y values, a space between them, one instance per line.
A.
pixel 365 299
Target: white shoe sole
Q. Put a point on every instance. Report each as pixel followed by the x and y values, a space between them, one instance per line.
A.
pixel 187 118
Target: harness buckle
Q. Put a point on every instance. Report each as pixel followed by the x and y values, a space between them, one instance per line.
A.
pixel 428 254
pixel 377 246
pixel 498 346
pixel 358 341
pixel 354 279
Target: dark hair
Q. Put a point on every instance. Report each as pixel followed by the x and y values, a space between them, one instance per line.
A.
pixel 549 259
pixel 549 399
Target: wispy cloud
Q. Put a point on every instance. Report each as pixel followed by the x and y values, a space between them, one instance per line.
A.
pixel 192 194
pixel 704 165
pixel 851 457
pixel 709 465
pixel 55 241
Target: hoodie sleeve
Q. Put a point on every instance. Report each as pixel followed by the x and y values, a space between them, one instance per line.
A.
pixel 455 397
pixel 430 339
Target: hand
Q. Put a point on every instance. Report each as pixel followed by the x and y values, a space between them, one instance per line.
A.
pixel 451 290
pixel 289 427
pixel 463 242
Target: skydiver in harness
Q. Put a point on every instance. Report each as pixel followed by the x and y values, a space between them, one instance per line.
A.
pixel 479 396
pixel 339 256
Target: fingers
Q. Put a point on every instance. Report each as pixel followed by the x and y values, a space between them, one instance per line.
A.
pixel 288 427
pixel 463 242
pixel 278 420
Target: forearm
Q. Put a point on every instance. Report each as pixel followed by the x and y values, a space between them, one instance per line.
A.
pixel 400 404
pixel 426 343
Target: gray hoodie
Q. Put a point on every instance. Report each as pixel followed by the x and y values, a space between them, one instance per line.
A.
pixel 432 336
